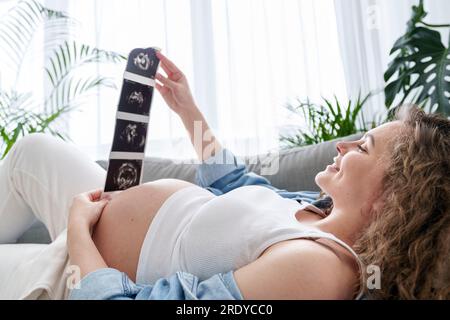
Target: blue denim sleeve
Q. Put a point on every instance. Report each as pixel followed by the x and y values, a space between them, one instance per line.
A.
pixel 111 284
pixel 224 172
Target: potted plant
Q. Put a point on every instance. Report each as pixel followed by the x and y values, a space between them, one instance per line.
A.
pixel 328 120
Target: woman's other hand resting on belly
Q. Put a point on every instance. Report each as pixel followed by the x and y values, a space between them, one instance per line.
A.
pixel 109 232
pixel 85 211
pixel 121 230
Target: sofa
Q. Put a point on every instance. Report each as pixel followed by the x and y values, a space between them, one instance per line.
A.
pixel 297 169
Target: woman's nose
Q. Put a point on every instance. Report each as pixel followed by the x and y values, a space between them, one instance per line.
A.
pixel 340 146
pixel 344 146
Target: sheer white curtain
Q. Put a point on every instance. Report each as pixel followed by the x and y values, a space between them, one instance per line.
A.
pixel 367 31
pixel 267 53
pixel 244 60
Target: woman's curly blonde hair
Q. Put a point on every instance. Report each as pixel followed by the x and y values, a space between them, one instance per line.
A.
pixel 409 237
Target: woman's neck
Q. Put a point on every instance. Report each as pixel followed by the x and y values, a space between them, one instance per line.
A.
pixel 342 223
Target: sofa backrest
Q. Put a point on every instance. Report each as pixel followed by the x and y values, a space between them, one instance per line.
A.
pixel 297 167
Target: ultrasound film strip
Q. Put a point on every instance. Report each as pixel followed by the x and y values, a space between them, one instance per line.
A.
pixel 126 159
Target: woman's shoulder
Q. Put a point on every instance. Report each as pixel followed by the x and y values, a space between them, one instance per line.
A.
pixel 329 254
pixel 298 269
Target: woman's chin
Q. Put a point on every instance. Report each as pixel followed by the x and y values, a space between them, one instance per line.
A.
pixel 320 178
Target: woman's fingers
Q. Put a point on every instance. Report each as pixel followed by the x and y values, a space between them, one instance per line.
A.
pixel 175 76
pixel 166 94
pixel 95 195
pixel 161 89
pixel 166 68
pixel 102 203
pixel 165 81
pixel 169 64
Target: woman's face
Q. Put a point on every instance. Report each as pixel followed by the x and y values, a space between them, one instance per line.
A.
pixel 356 174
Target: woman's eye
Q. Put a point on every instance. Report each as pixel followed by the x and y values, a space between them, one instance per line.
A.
pixel 361 148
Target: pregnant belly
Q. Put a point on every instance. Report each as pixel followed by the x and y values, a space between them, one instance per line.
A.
pixel 123 225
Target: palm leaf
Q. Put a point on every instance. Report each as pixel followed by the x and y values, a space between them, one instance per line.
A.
pixel 73 88
pixel 18 27
pixel 18 118
pixel 65 60
pixel 20 114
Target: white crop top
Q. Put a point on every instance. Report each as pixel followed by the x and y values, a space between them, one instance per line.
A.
pixel 203 234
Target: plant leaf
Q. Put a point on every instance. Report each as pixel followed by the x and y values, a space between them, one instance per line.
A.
pixel 422 55
pixel 18 27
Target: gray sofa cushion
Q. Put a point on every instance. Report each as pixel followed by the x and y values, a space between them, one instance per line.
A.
pixel 297 166
pixel 297 169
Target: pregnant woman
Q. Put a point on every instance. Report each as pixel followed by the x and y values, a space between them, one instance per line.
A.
pixel 232 235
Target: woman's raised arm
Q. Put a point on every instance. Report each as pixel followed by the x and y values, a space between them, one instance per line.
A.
pixel 176 92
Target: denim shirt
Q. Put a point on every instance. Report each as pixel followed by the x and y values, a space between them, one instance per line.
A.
pixel 224 172
pixel 219 174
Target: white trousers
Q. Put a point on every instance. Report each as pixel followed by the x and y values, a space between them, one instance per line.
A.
pixel 38 179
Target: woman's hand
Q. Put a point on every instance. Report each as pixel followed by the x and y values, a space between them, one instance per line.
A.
pixel 85 212
pixel 175 91
pixel 175 88
pixel 87 208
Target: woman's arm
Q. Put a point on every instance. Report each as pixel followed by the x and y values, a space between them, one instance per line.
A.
pixel 300 269
pixel 202 138
pixel 82 250
pixel 175 91
pixel 224 171
pixel 85 211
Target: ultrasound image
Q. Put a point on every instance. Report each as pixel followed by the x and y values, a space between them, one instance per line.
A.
pixel 135 98
pixel 129 136
pixel 143 62
pixel 123 174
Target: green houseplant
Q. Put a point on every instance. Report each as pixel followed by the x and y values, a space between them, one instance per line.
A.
pixel 419 73
pixel 328 120
pixel 22 113
pixel 420 70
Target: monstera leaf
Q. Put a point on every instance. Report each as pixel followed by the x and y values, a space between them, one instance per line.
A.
pixel 422 67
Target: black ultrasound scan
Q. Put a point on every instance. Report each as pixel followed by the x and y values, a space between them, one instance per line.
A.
pixel 129 136
pixel 123 174
pixel 135 98
pixel 130 133
pixel 143 62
